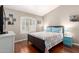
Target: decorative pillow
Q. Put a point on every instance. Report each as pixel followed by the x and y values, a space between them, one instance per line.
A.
pixel 49 29
pixel 57 30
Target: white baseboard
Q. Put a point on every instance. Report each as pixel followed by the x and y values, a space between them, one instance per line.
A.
pixel 76 44
pixel 20 40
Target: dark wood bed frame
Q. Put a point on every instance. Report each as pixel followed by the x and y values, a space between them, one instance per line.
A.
pixel 39 43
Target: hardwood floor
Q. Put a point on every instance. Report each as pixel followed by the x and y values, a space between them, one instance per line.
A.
pixel 23 47
pixel 73 49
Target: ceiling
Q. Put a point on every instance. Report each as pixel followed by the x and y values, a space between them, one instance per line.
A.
pixel 39 10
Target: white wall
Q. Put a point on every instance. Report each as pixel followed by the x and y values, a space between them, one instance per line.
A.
pixel 60 16
pixel 16 27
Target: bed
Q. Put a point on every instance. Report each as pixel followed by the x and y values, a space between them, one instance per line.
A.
pixel 47 39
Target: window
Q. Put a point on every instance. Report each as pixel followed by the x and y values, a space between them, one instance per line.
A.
pixel 27 24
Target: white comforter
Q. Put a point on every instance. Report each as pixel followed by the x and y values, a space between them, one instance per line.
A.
pixel 51 39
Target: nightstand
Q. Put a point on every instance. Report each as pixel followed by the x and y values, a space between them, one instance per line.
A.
pixel 68 40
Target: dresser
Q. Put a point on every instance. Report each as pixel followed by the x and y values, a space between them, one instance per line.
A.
pixel 7 42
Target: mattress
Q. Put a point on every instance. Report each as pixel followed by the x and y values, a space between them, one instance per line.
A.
pixel 51 39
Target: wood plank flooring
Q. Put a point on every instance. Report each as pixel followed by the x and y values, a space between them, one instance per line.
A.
pixel 23 47
pixel 73 49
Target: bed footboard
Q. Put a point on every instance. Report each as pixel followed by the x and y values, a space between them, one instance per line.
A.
pixel 37 42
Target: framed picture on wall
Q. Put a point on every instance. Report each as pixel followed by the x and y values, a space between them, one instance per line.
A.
pixel 38 22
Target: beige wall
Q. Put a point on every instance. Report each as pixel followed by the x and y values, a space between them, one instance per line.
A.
pixel 16 27
pixel 60 16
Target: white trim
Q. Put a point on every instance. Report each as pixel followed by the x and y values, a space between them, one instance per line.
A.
pixel 77 44
pixel 20 40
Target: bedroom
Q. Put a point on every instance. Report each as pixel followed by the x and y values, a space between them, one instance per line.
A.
pixel 22 20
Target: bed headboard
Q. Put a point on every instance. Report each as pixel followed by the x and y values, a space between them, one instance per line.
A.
pixel 57 27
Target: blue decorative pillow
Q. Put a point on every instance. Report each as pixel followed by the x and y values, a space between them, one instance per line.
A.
pixel 57 30
pixel 53 29
pixel 49 29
